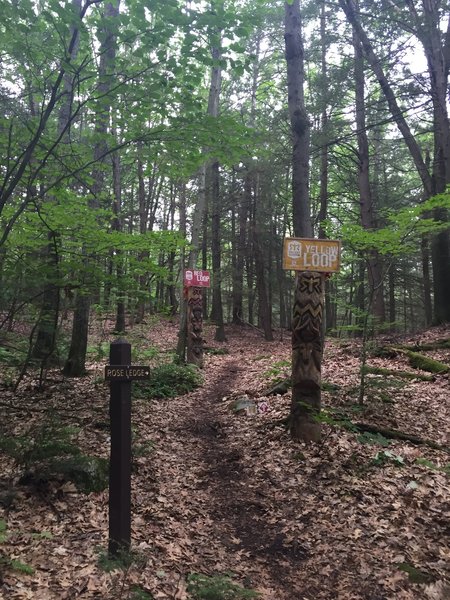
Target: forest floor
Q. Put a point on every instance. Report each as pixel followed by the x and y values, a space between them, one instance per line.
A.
pixel 228 494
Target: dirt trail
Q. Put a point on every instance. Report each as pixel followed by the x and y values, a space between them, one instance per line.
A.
pixel 220 507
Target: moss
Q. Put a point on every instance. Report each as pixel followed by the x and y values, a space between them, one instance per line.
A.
pixel 443 344
pixel 368 369
pixel 415 575
pixel 419 361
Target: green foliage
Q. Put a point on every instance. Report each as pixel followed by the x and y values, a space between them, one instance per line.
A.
pixel 49 452
pixel 431 465
pixel 138 593
pixel 335 418
pixel 146 354
pixel 3 534
pixel 11 563
pixel 88 473
pixel 405 228
pixel 416 575
pixel 419 361
pixel 277 368
pixel 373 439
pixel 169 380
pixel 386 456
pixel 122 561
pixel 216 351
pixel 18 565
pixel 217 587
pixel 11 357
pixel 393 374
pixel 99 351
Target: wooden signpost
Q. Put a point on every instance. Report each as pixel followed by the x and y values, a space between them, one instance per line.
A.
pixel 194 280
pixel 302 254
pixel 312 259
pixel 120 373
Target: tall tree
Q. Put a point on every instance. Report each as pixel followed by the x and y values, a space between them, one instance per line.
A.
pixel 366 201
pixel 75 364
pixel 436 51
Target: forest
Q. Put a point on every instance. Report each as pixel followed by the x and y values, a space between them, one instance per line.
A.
pixel 296 444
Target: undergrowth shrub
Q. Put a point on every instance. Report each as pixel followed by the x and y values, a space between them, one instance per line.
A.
pixel 217 587
pixel 6 562
pixel 49 452
pixel 168 380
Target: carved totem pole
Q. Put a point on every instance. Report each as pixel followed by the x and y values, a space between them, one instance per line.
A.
pixel 307 348
pixel 194 326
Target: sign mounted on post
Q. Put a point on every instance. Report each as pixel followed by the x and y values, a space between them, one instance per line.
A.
pixel 196 278
pixel 304 254
pixel 126 372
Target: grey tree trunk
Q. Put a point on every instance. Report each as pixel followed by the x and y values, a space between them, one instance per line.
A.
pixel 75 364
pixel 48 320
pixel 366 203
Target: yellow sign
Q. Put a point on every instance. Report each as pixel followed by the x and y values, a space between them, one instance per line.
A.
pixel 302 254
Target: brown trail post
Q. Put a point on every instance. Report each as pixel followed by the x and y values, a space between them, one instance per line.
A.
pixel 194 307
pixel 307 348
pixel 120 460
pixel 314 260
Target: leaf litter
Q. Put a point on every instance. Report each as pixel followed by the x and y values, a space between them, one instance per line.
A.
pixel 217 491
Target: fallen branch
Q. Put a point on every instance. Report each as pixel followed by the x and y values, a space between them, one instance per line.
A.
pixel 392 372
pixel 419 361
pixel 399 435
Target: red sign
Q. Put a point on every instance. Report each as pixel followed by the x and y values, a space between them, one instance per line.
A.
pixel 196 278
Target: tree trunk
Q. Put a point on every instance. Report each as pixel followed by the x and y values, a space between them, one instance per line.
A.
pixel 75 364
pixel 238 275
pixel 300 126
pixel 48 319
pixel 367 208
pixel 265 316
pixel 436 48
pixel 217 307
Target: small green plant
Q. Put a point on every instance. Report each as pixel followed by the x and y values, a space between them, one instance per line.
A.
pixel 18 565
pixel 49 453
pixel 278 369
pixel 169 380
pixel 431 465
pixel 148 353
pixel 3 534
pixel 217 587
pixel 216 351
pixel 416 575
pixel 335 418
pixel 373 439
pixel 386 456
pixel 6 561
pixel 137 593
pixel 99 351
pixel 123 560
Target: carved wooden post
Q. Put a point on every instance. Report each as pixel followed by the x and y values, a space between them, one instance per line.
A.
pixel 195 326
pixel 307 346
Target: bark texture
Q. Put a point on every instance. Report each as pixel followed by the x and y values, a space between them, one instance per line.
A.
pixel 194 326
pixel 307 346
